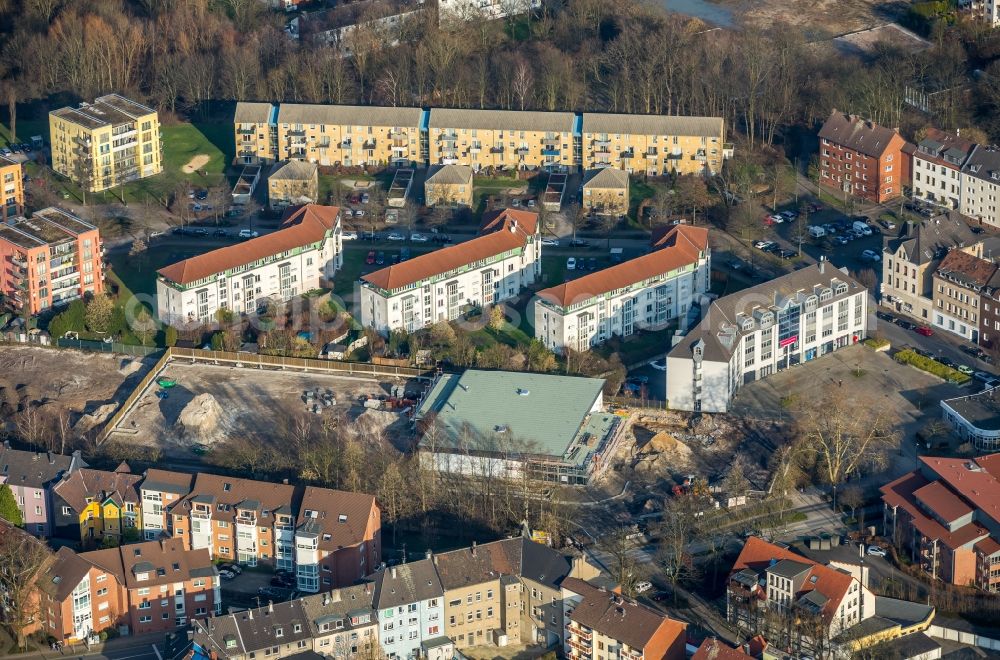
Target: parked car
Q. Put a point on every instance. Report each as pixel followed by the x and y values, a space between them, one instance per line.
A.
pixel 359 213
pixel 965 369
pixel 200 231
pixel 370 259
pixel 419 238
pixel 231 567
pixel 365 198
pixel 246 233
pixel 221 233
pixel 201 195
pixel 395 258
pixel 550 242
pixel 659 365
pixel 875 551
pixel 226 575
pixel 404 254
pixel 355 199
pixel 571 264
pixel 871 255
pixel 380 258
pixel 283 581
pixel 904 324
pixel 765 245
pixel 883 316
pixel 349 236
pixel 642 380
pixel 787 254
pixel 441 238
pixel 924 330
pixel 977 230
pixel 947 361
pixel 592 264
pixel 643 587
pixel 579 243
pixel 395 236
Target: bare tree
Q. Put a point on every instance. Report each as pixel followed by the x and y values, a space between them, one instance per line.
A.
pixel 677 530
pixel 623 567
pixel 22 557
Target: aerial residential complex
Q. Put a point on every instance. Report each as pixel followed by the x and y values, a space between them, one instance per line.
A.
pixel 31 476
pixel 912 256
pixel 945 515
pixel 12 180
pixel 244 277
pixel 770 327
pixel 106 143
pixel 49 259
pixel 480 139
pixel 508 424
pixel 643 293
pixel 862 159
pixel 444 284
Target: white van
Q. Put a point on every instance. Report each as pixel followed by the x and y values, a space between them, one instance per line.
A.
pixel 861 228
pixel 816 231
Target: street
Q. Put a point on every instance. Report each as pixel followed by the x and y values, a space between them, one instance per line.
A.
pixel 121 648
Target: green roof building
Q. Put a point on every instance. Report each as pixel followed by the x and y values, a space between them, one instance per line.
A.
pixel 498 423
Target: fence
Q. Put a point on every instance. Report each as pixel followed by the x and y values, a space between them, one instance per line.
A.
pixel 637 402
pixel 134 395
pixel 109 347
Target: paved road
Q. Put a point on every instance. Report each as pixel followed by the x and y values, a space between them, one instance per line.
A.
pixel 123 648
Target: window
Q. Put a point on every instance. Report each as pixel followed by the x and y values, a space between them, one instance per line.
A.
pixel 65 511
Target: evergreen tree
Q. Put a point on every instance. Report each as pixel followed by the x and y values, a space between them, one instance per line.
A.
pixel 8 507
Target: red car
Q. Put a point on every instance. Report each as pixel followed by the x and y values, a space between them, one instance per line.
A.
pixel 924 330
pixel 370 259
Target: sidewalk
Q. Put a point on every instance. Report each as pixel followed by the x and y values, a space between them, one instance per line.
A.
pixel 81 650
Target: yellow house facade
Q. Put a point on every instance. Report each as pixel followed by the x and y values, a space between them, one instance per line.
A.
pixel 653 144
pixel 97 504
pixel 449 185
pixel 12 180
pixel 605 191
pixel 106 143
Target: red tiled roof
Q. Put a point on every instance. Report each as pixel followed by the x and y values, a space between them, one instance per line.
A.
pixel 858 134
pixel 80 484
pixel 713 649
pixel 938 498
pixel 975 480
pixel 498 235
pixel 987 547
pixel 757 555
pixel 968 269
pixel 900 494
pixel 301 226
pixel 675 248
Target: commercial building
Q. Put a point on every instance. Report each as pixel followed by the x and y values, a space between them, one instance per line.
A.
pixel 93 506
pixel 910 259
pixel 767 328
pixel 504 423
pixel 12 179
pixel 605 191
pixel 980 181
pixel 937 168
pixel 373 136
pixel 31 476
pixel 328 538
pixel 49 260
pixel 945 515
pixel 449 185
pixel 106 143
pixel 975 418
pixel 292 183
pixel 305 251
pixel 958 281
pixel 444 284
pixel 599 622
pixel 655 145
pixel 135 589
pixel 647 292
pixel 862 159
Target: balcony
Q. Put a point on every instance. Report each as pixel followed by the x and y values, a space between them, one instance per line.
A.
pixel 346 144
pixel 297 133
pixel 627 154
pixel 601 143
pixel 395 132
pixel 246 131
pixel 475 149
pixel 447 138
pixel 728 149
pixel 550 152
pixel 369 144
pixel 651 153
pixel 552 142
pixel 583 648
pixel 602 150
pixel 496 150
pixel 522 151
pixel 244 519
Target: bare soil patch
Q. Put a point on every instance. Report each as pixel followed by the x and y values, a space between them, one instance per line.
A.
pixel 196 163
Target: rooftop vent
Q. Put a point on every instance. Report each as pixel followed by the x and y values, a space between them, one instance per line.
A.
pixel 523 392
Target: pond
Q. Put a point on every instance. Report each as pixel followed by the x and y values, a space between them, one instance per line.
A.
pixel 710 12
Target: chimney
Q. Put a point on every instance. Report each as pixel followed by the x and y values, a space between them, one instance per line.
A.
pixel 250 614
pixel 428 554
pixel 285 481
pixel 822 264
pixel 435 560
pixel 326 599
pixel 270 607
pixel 393 571
pixel 473 548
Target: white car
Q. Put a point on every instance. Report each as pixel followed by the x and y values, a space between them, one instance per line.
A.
pixel 659 365
pixel 550 242
pixel 643 587
pixel 359 213
pixel 871 255
pixel 154 234
pixel 776 219
pixel 349 236
pixel 875 551
pixel 419 238
pixel 246 233
pixel 396 236
pixel 571 264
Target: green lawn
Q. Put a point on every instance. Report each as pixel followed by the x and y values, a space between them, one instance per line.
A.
pixel 639 347
pixel 638 192
pixel 138 273
pixel 25 129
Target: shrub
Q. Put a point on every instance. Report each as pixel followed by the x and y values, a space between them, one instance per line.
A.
pixel 170 336
pixel 933 367
pixel 876 342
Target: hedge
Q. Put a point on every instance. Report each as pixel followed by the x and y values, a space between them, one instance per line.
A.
pixel 876 343
pixel 934 367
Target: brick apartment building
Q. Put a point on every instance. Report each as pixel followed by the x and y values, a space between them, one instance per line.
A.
pixel 329 538
pixel 945 516
pixel 862 159
pixel 136 589
pixel 958 285
pixel 50 259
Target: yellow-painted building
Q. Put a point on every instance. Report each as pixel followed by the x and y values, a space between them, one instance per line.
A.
pixel 106 143
pixel 12 180
pixel 97 504
pixel 654 144
pixel 256 127
pixel 449 185
pixel 292 183
pixel 605 191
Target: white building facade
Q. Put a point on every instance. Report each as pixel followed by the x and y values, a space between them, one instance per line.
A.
pixel 444 284
pixel 644 293
pixel 980 180
pixel 768 328
pixel 467 10
pixel 276 267
pixel 937 166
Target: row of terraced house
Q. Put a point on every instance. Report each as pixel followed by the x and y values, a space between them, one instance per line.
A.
pixel 373 136
pixel 327 538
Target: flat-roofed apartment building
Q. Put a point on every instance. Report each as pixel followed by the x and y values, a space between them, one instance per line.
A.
pixel 501 139
pixel 50 259
pixel 296 258
pixel 12 182
pixel 647 292
pixel 945 516
pixel 770 327
pixel 106 143
pixel 328 538
pixel 443 284
pixel 506 424
pixel 328 135
pixel 654 144
pixel 134 589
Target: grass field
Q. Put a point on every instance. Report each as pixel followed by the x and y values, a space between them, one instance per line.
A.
pixel 138 273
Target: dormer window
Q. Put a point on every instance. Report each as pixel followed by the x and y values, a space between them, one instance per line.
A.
pixel 278 632
pixel 841 289
pixel 141 577
pixel 227 487
pixel 342 518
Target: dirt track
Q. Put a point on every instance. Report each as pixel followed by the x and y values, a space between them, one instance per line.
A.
pixel 817 18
